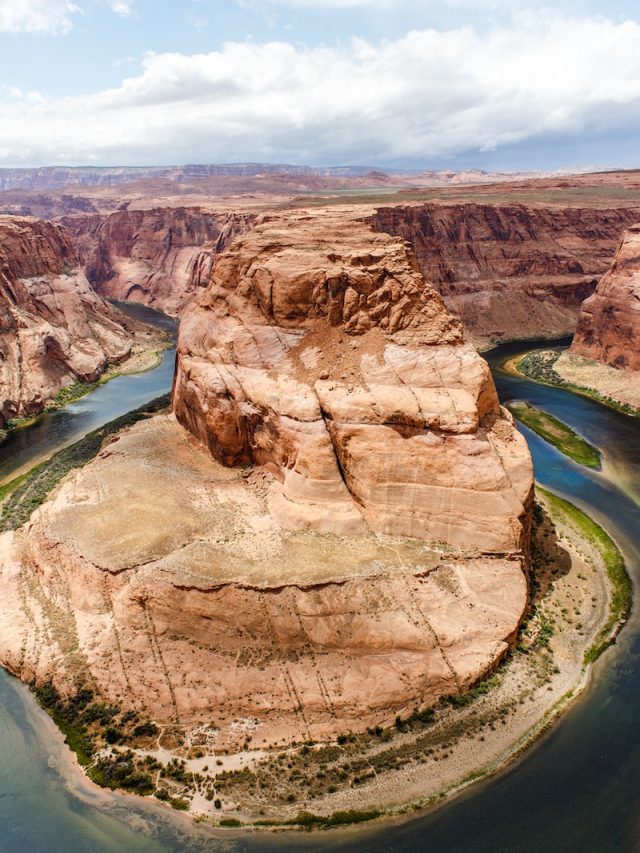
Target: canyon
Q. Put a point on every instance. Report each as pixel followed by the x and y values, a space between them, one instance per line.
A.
pixel 329 532
pixel 332 530
pixel 510 271
pixel 54 329
pixel 160 256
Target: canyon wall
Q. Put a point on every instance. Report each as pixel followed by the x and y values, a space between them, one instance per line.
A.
pixel 160 257
pixel 609 324
pixel 53 328
pixel 510 271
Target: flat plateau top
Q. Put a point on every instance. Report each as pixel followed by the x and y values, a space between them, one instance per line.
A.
pixel 155 500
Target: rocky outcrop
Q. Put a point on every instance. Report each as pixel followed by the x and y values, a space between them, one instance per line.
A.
pixel 356 547
pixel 319 351
pixel 160 257
pixel 204 611
pixel 510 271
pixel 54 329
pixel 609 325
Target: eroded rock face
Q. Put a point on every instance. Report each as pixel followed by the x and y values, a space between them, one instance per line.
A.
pixel 356 547
pixel 319 351
pixel 160 257
pixel 54 329
pixel 510 271
pixel 609 325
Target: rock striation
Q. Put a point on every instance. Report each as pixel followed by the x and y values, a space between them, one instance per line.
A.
pixel 510 270
pixel 609 324
pixel 337 533
pixel 54 329
pixel 160 257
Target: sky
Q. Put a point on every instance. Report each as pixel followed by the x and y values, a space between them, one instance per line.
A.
pixel 443 84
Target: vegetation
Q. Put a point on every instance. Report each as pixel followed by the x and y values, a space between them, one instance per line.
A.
pixel 540 365
pixel 29 492
pixel 556 433
pixel 621 589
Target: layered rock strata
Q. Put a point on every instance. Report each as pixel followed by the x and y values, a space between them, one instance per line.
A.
pixel 160 257
pixel 54 329
pixel 609 324
pixel 509 270
pixel 339 534
pixel 319 350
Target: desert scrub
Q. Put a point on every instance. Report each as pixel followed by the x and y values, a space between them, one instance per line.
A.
pixel 308 820
pixel 556 433
pixel 32 489
pixel 619 580
pixel 540 366
pixel 70 393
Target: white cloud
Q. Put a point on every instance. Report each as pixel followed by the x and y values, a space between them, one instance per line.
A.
pixel 37 16
pixel 49 17
pixel 429 94
pixel 121 7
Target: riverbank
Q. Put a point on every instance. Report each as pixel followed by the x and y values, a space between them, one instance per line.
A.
pixel 556 433
pixel 143 358
pixel 423 759
pixel 560 368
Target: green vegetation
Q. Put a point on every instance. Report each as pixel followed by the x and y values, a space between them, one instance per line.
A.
pixel 556 433
pixel 69 718
pixel 540 366
pixel 621 589
pixel 71 393
pixel 32 489
pixel 481 689
pixel 314 821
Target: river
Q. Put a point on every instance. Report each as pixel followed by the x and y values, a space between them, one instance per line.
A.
pixel 576 790
pixel 54 430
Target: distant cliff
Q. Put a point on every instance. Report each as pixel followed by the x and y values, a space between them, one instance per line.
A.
pixel 609 324
pixel 53 328
pixel 160 257
pixel 510 271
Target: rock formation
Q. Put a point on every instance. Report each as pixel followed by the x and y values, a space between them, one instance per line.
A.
pixel 609 324
pixel 355 548
pixel 54 329
pixel 510 271
pixel 318 350
pixel 160 257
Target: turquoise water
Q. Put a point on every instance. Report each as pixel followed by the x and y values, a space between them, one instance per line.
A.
pixel 577 790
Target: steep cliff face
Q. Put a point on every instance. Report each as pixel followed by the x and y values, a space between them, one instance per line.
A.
pixel 160 257
pixel 320 351
pixel 510 271
pixel 609 324
pixel 53 328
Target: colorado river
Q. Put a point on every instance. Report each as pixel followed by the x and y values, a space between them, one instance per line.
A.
pixel 55 430
pixel 576 790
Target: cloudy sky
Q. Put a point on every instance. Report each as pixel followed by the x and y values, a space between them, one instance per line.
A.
pixel 405 83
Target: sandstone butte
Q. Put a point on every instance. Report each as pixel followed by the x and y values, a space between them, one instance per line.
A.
pixel 331 530
pixel 54 329
pixel 609 324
